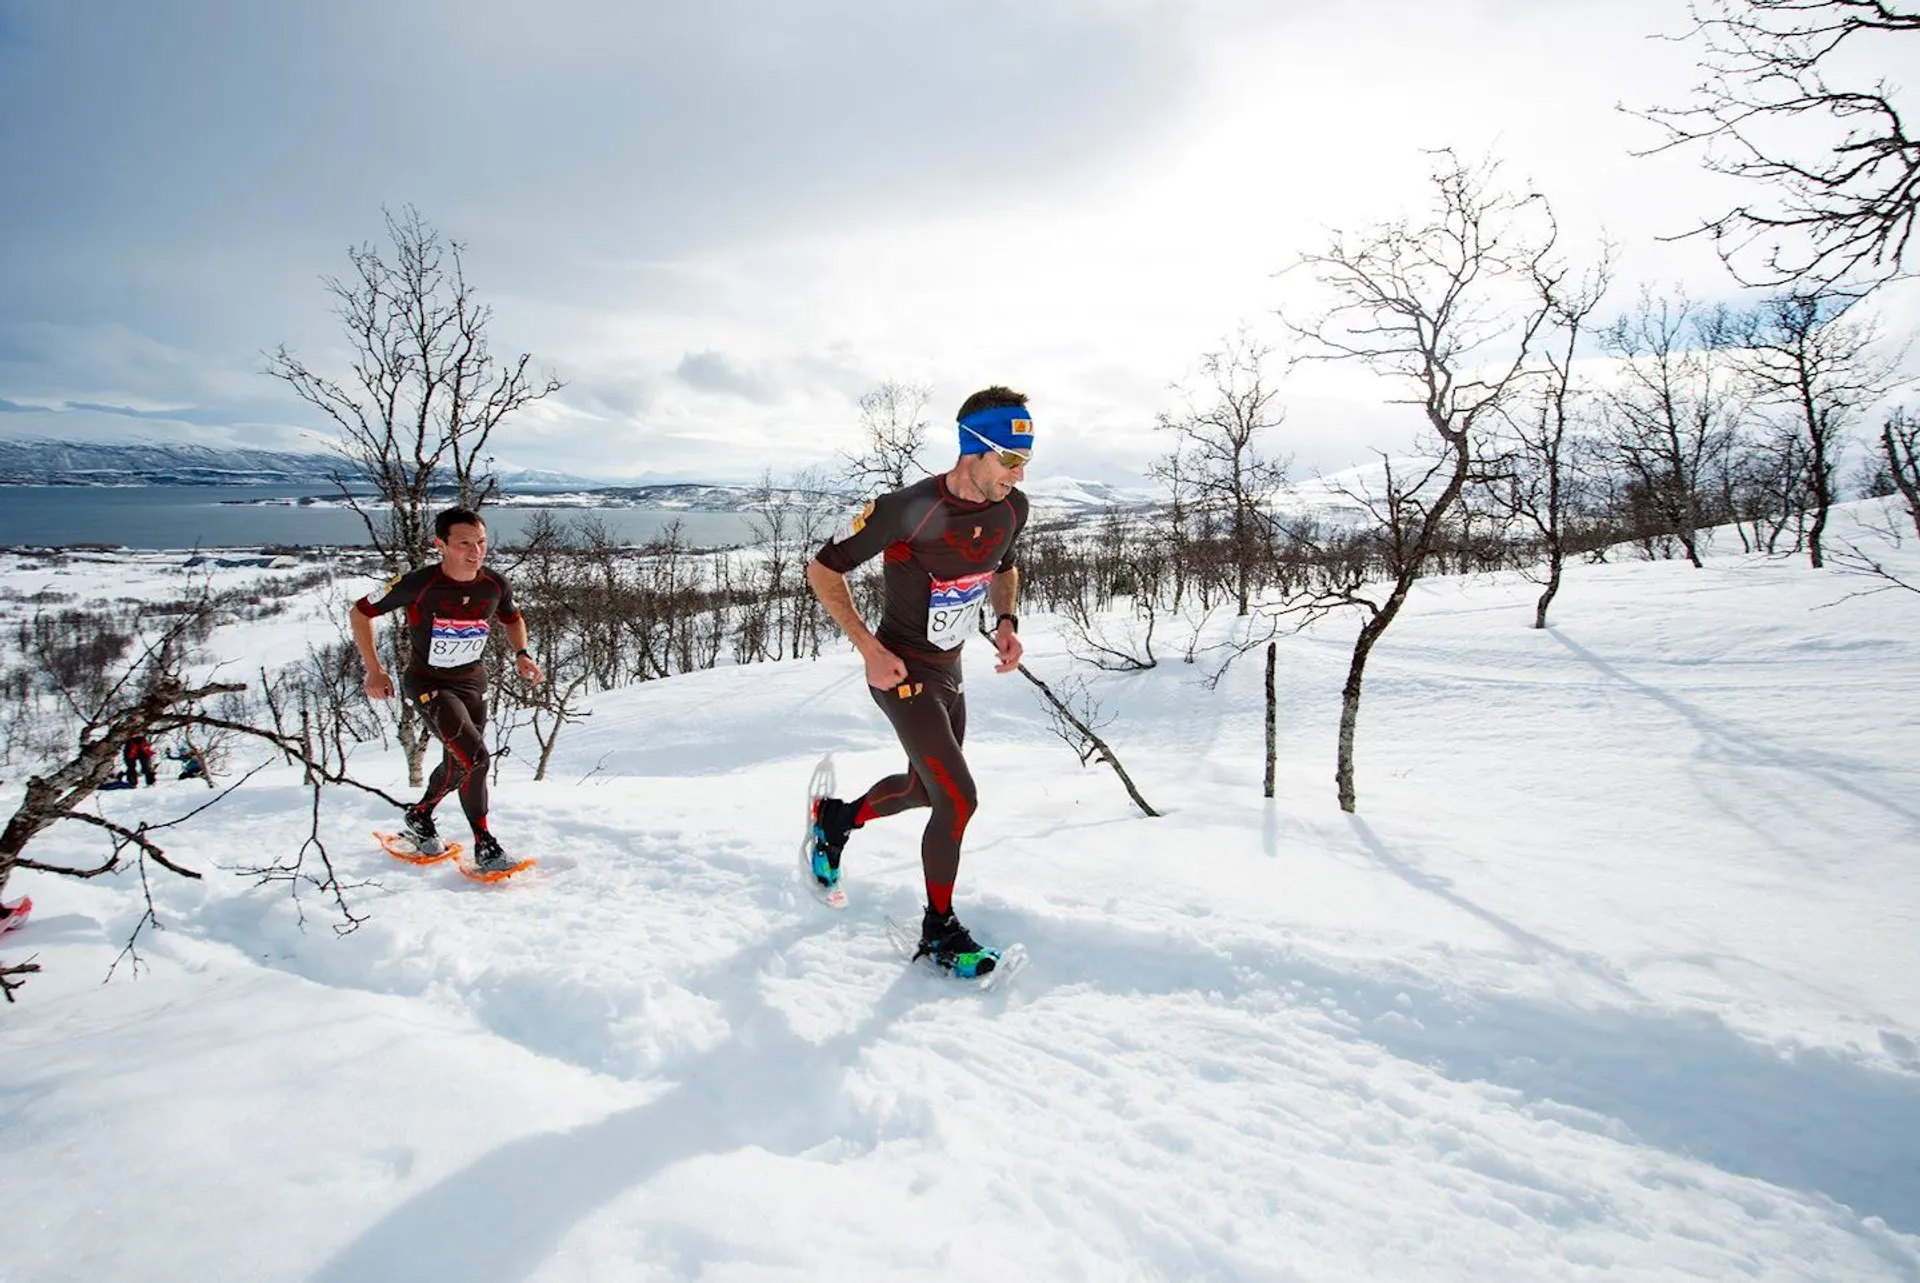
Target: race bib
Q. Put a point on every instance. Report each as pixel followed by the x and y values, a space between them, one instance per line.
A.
pixel 953 610
pixel 457 642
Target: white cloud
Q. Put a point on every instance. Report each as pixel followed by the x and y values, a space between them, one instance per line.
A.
pixel 720 223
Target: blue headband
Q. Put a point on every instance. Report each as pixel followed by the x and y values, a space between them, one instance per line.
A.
pixel 1008 427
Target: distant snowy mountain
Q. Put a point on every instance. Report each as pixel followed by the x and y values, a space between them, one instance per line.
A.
pixel 680 496
pixel 62 463
pixel 1067 496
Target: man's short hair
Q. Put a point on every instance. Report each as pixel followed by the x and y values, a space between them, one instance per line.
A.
pixel 989 399
pixel 444 522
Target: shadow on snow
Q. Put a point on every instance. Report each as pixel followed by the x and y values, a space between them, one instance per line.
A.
pixel 1684 1082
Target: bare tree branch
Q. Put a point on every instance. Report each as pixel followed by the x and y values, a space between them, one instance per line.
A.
pixel 150 699
pixel 1077 729
pixel 1834 213
pixel 893 426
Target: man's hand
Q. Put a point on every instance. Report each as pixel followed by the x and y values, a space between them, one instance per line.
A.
pixel 378 685
pixel 528 669
pixel 884 668
pixel 1006 644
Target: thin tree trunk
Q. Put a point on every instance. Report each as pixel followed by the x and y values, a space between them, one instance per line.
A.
pixel 1822 500
pixel 1556 559
pixel 546 739
pixel 414 739
pixel 1370 633
pixel 1273 727
pixel 1690 541
pixel 306 742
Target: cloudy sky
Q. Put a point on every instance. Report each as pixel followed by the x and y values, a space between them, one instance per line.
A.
pixel 721 221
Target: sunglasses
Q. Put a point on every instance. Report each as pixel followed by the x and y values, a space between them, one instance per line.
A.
pixel 1009 459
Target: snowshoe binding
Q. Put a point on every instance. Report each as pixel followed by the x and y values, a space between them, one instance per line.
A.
pixel 419 827
pixel 400 846
pixel 829 820
pixel 947 946
pixel 491 863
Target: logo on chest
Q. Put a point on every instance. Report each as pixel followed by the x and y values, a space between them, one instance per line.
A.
pixel 973 542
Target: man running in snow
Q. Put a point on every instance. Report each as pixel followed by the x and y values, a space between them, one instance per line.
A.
pixel 949 544
pixel 450 609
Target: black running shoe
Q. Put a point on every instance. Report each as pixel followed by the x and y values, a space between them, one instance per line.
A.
pixel 488 857
pixel 951 947
pixel 421 832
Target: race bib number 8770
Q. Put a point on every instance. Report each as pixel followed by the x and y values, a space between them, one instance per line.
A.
pixel 953 609
pixel 457 642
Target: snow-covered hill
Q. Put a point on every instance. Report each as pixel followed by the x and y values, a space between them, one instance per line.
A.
pixel 66 463
pixel 62 463
pixel 1610 978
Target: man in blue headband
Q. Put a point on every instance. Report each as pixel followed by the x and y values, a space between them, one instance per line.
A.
pixel 949 543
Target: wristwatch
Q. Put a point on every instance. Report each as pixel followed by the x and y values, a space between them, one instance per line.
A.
pixel 1010 618
pixel 522 654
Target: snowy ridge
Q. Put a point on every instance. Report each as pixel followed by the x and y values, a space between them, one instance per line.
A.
pixel 1067 496
pixel 1611 978
pixel 67 463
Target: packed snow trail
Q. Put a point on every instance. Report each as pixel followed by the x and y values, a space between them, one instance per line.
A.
pixel 1610 978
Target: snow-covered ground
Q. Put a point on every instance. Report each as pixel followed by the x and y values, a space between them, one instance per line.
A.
pixel 1612 977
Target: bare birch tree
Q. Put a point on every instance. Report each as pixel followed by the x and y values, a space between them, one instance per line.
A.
pixel 1219 465
pixel 425 394
pixel 1803 355
pixel 554 579
pixel 1900 446
pixel 1540 435
pixel 1442 308
pixel 1673 413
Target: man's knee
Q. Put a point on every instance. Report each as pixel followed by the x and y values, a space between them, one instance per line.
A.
pixel 953 791
pixel 466 757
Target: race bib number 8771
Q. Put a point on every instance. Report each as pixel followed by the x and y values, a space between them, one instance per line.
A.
pixel 953 609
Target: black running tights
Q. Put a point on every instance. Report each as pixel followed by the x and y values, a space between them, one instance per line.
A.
pixel 931 721
pixel 458 715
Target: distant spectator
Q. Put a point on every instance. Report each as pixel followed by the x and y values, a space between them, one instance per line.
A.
pixel 137 757
pixel 190 767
